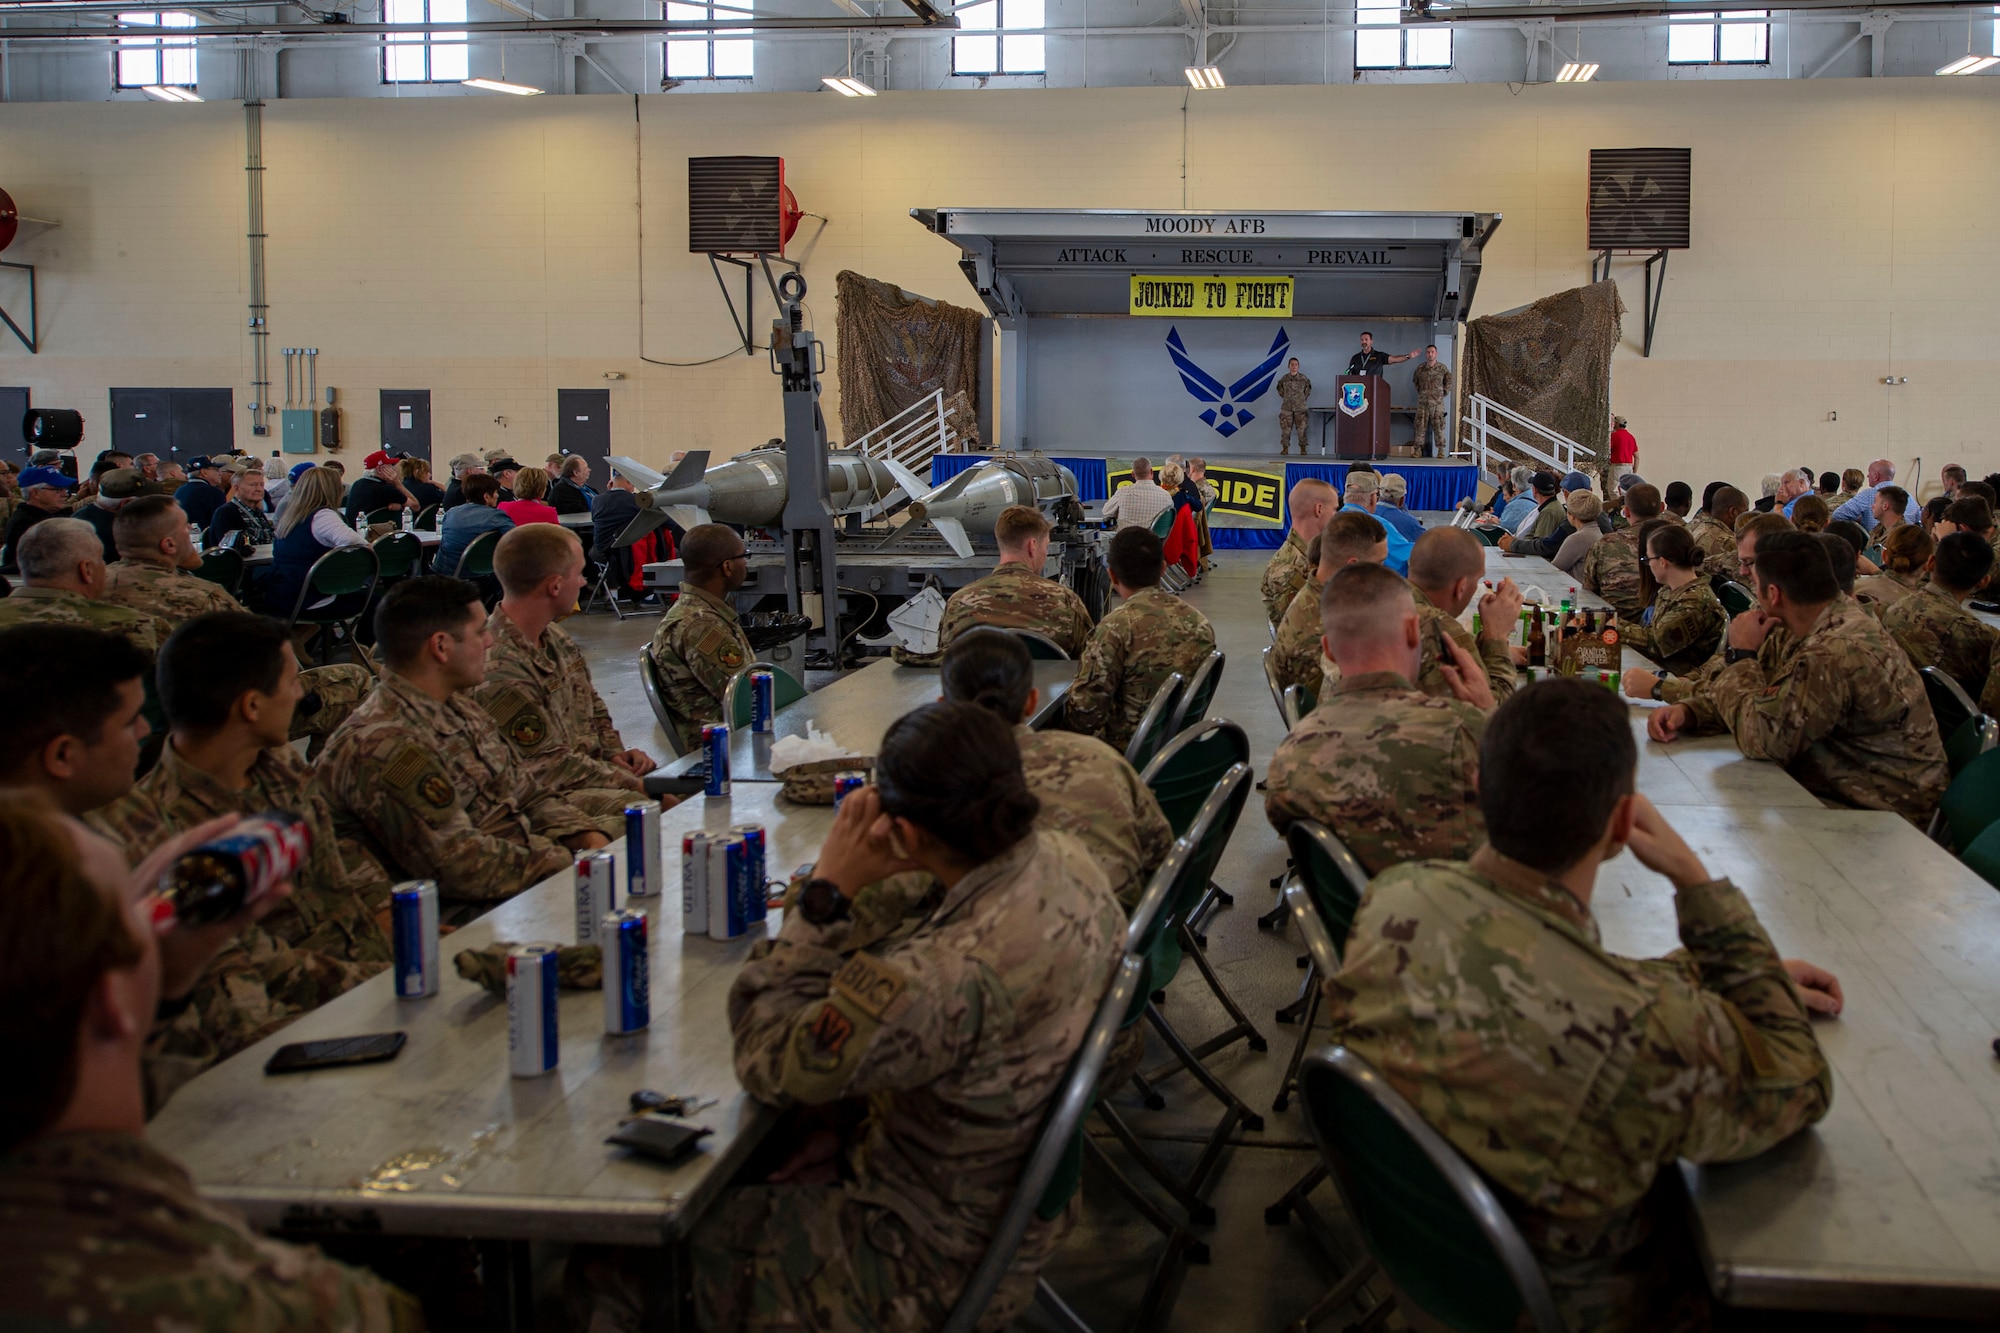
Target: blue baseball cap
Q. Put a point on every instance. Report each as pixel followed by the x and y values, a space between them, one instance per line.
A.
pixel 46 476
pixel 298 470
pixel 1576 481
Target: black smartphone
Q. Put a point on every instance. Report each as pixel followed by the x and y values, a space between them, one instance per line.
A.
pixel 659 1139
pixel 1444 647
pixel 335 1051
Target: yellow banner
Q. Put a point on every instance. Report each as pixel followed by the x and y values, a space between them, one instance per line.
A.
pixel 1211 298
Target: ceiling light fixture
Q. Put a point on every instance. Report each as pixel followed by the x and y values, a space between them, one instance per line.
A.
pixel 499 86
pixel 1575 72
pixel 168 93
pixel 847 85
pixel 1203 76
pixel 1970 64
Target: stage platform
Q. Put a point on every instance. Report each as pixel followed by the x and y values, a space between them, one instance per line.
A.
pixel 1251 515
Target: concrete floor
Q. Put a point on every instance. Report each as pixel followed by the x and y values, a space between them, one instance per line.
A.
pixel 1260 1277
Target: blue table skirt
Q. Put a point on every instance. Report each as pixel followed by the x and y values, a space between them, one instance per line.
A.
pixel 1430 488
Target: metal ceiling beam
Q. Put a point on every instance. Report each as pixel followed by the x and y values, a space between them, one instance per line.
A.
pixel 1416 11
pixel 562 27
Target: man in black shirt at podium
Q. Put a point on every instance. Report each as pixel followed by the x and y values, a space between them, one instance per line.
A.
pixel 1368 361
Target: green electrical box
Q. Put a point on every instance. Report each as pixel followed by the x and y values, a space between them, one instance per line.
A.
pixel 299 429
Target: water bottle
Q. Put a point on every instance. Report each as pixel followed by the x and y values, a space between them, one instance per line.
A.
pixel 195 533
pixel 409 520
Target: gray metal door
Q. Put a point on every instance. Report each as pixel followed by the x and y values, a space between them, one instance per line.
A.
pixel 583 426
pixel 406 422
pixel 173 423
pixel 13 407
pixel 142 422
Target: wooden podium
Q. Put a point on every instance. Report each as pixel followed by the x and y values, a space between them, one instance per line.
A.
pixel 1364 434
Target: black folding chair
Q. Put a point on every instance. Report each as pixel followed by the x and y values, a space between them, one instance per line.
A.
pixel 1331 880
pixel 1153 730
pixel 345 575
pixel 223 567
pixel 1040 646
pixel 476 560
pixel 656 698
pixel 1199 694
pixel 1182 782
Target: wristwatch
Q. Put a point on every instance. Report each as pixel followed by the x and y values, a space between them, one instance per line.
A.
pixel 822 903
pixel 1659 687
pixel 1731 656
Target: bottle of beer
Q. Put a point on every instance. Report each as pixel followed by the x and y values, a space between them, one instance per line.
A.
pixel 1538 642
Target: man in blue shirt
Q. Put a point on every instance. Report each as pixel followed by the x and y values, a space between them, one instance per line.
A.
pixel 1363 496
pixel 1861 509
pixel 201 495
pixel 1390 512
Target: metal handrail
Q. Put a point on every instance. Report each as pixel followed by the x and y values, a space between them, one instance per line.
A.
pixel 913 435
pixel 1480 433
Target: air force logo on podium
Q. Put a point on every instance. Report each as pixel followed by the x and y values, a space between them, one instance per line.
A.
pixel 1231 413
pixel 1354 399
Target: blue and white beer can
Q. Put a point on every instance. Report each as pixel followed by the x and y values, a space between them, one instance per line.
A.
pixel 596 893
pixel 763 701
pixel 643 877
pixel 715 743
pixel 628 1003
pixel 728 873
pixel 531 1010
pixel 756 846
pixel 694 883
pixel 413 929
pixel 844 783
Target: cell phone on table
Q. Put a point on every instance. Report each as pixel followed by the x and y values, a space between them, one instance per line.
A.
pixel 335 1052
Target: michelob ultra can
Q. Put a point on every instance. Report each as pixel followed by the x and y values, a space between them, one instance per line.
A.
pixel 694 883
pixel 728 881
pixel 531 1010
pixel 763 702
pixel 844 783
pixel 643 876
pixel 755 845
pixel 596 893
pixel 715 743
pixel 628 1004
pixel 413 928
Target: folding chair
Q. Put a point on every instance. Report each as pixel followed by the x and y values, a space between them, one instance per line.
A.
pixel 477 558
pixel 397 554
pixel 1735 598
pixel 339 573
pixel 1200 692
pixel 1982 857
pixel 1297 704
pixel 386 514
pixel 223 567
pixel 605 587
pixel 1451 1252
pixel 649 678
pixel 1040 646
pixel 427 518
pixel 1276 687
pixel 1180 777
pixel 1330 881
pixel 1152 731
pixel 1970 803
pixel 1163 522
pixel 1974 737
pixel 1950 704
pixel 737 698
pixel 1489 535
pixel 1055 1166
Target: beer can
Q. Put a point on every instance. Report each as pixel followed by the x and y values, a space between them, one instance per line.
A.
pixel 694 883
pixel 728 877
pixel 628 1004
pixel 413 929
pixel 844 783
pixel 643 872
pixel 715 742
pixel 531 1010
pixel 1610 676
pixel 225 874
pixel 596 893
pixel 756 844
pixel 763 701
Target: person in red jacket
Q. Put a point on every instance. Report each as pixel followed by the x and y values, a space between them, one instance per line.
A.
pixel 1622 457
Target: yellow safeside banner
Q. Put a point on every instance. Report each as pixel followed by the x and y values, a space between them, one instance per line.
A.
pixel 1211 298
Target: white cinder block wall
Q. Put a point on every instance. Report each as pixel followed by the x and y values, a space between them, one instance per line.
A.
pixel 488 249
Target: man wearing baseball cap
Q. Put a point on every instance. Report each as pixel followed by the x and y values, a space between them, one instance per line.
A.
pixel 44 495
pixel 202 494
pixel 114 490
pixel 382 488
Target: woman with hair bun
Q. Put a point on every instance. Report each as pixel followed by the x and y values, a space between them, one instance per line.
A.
pixel 1086 788
pixel 955 1033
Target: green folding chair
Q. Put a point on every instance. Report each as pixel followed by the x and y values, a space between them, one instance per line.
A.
pixel 1970 803
pixel 224 568
pixel 1330 880
pixel 427 518
pixel 1199 694
pixel 477 558
pixel 339 573
pixel 1040 646
pixel 1735 598
pixel 386 514
pixel 1155 724
pixel 1163 523
pixel 1451 1252
pixel 1982 857
pixel 398 554
pixel 1181 777
pixel 738 699
pixel 656 698
pixel 1972 738
pixel 1489 535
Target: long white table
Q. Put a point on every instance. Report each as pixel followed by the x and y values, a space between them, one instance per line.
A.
pixel 442 1141
pixel 1532 572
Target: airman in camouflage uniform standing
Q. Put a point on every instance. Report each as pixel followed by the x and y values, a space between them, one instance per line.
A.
pixel 1570 1077
pixel 699 644
pixel 1845 713
pixel 1933 627
pixel 1015 595
pixel 1294 392
pixel 1148 637
pixel 1311 503
pixel 543 702
pixel 957 1034
pixel 1432 379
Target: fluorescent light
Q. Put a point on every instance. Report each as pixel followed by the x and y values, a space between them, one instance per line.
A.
pixel 1203 76
pixel 1574 72
pixel 847 85
pixel 169 93
pixel 1970 64
pixel 496 86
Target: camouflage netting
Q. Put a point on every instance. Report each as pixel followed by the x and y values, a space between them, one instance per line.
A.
pixel 1551 361
pixel 895 351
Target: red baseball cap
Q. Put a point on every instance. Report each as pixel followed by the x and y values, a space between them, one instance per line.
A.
pixel 378 458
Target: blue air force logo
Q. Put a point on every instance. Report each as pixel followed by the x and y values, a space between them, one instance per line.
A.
pixel 1231 412
pixel 1354 399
